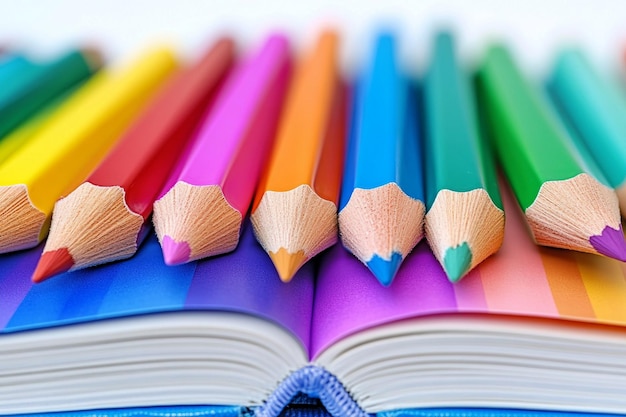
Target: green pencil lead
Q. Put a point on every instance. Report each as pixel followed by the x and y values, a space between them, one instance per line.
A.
pixel 457 261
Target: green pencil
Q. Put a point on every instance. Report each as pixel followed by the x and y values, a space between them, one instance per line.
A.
pixel 42 83
pixel 465 219
pixel 565 206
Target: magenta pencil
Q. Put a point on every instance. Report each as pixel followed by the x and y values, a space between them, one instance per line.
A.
pixel 201 213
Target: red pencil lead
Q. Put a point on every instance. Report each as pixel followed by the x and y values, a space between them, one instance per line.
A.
pixel 53 263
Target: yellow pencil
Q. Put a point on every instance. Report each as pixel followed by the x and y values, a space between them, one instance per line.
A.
pixel 19 136
pixel 69 145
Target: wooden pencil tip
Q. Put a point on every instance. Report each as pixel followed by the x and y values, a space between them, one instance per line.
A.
pixel 287 264
pixel 175 253
pixel 457 261
pixel 385 269
pixel 53 263
pixel 610 243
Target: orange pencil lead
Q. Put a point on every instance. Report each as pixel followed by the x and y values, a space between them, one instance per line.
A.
pixel 287 264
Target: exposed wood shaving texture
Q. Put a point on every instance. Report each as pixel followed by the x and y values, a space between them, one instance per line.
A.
pixel 20 221
pixel 621 196
pixel 471 216
pixel 381 221
pixel 567 213
pixel 200 216
pixel 295 220
pixel 95 225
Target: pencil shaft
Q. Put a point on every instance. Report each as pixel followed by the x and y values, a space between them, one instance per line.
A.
pixel 27 130
pixel 295 210
pixel 465 221
pixel 103 220
pixel 381 128
pixel 457 158
pixel 565 205
pixel 69 146
pixel 16 74
pixel 47 82
pixel 12 66
pixel 382 212
pixel 144 156
pixel 84 129
pixel 236 137
pixel 595 109
pixel 210 190
pixel 526 132
pixel 303 126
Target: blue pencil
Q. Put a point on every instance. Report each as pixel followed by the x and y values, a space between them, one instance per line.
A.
pixel 381 215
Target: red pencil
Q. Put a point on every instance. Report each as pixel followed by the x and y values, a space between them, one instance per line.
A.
pixel 104 219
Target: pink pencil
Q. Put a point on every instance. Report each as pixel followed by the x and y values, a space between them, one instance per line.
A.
pixel 201 214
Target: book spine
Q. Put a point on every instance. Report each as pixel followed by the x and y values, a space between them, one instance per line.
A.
pixel 316 382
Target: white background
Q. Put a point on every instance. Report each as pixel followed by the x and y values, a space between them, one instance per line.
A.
pixel 534 28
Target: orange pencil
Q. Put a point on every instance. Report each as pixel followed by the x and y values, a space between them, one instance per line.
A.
pixel 294 214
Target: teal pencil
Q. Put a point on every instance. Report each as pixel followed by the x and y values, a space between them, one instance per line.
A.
pixel 16 71
pixel 11 67
pixel 381 213
pixel 594 107
pixel 40 84
pixel 465 218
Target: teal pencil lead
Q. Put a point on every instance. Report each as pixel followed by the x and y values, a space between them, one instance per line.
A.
pixel 385 269
pixel 457 261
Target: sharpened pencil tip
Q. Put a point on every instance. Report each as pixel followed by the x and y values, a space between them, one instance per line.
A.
pixel 457 261
pixel 53 263
pixel 385 269
pixel 610 243
pixel 287 264
pixel 175 253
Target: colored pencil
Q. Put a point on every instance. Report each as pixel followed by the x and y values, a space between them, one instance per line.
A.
pixel 381 215
pixel 20 135
pixel 294 214
pixel 44 83
pixel 74 139
pixel 565 206
pixel 103 219
pixel 12 66
pixel 595 107
pixel 464 219
pixel 15 74
pixel 200 212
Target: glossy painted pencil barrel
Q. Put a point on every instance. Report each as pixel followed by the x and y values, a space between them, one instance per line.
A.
pixel 596 108
pixel 465 220
pixel 13 66
pixel 203 205
pixel 565 206
pixel 70 145
pixel 122 189
pixel 295 210
pixel 45 83
pixel 382 211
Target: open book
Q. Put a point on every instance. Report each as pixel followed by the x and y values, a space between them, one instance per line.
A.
pixel 531 328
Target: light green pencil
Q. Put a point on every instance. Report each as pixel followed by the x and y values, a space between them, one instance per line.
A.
pixel 595 107
pixel 566 207
pixel 465 219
